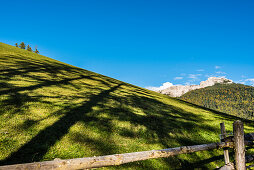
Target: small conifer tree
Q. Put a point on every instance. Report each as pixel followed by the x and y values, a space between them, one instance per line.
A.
pixel 29 48
pixel 22 45
pixel 36 51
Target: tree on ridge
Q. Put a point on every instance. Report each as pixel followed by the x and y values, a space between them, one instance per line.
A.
pixel 36 51
pixel 22 45
pixel 29 48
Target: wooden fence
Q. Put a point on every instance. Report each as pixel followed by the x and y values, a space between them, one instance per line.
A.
pixel 238 142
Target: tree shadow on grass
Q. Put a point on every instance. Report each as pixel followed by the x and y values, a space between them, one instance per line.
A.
pixel 164 123
pixel 167 119
pixel 35 149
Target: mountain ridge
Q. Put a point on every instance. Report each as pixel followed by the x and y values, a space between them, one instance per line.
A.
pixel 234 99
pixel 179 90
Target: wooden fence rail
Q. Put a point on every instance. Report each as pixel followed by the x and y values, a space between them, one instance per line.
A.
pixel 118 159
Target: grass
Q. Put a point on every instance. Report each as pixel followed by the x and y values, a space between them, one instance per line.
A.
pixel 49 109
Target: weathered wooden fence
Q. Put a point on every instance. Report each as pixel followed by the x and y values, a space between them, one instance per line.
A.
pixel 238 142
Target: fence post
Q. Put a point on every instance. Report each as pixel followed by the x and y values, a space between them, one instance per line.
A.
pixel 223 135
pixel 239 145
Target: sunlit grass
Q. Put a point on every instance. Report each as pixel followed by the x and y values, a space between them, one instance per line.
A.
pixel 50 110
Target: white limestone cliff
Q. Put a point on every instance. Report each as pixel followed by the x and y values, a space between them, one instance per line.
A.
pixel 179 90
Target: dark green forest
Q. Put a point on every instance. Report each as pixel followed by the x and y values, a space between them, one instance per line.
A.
pixel 234 99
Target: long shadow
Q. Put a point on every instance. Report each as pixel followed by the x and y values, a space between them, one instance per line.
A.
pixel 201 164
pixel 44 84
pixel 168 118
pixel 37 147
pixel 52 68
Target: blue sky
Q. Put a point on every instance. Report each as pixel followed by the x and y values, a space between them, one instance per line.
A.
pixel 145 43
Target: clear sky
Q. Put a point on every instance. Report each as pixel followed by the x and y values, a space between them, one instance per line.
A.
pixel 145 43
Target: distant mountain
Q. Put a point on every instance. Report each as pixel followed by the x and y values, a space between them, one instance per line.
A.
pixel 179 90
pixel 234 99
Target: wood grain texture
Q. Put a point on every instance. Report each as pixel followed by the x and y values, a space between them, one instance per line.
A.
pixel 223 136
pixel 239 145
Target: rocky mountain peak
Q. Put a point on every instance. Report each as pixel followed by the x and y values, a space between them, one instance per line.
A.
pixel 178 90
pixel 213 80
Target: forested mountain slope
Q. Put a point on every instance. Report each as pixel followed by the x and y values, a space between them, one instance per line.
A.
pixel 234 99
pixel 49 109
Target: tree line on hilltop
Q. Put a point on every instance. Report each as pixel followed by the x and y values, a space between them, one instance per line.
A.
pixel 22 45
pixel 234 99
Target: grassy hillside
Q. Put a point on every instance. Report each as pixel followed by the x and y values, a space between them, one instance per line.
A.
pixel 234 99
pixel 49 110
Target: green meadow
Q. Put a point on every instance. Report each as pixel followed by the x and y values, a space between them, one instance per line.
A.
pixel 49 109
